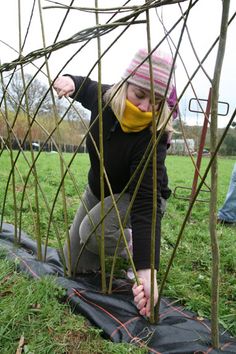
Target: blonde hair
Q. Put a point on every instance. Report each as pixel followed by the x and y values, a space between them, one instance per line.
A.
pixel 116 97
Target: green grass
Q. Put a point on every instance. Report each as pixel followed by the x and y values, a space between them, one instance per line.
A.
pixel 49 177
pixel 190 275
pixel 189 279
pixel 32 311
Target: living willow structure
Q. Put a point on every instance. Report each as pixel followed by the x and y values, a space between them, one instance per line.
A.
pixel 118 21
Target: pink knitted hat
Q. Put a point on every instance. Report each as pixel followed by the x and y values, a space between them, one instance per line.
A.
pixel 140 75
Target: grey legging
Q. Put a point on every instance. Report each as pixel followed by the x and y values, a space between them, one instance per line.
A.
pixel 83 226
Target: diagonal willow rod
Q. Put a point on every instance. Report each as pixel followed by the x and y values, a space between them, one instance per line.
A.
pixel 125 29
pixel 32 166
pixel 29 172
pixel 127 26
pixel 15 203
pixel 190 78
pixel 67 168
pixel 61 180
pixel 90 234
pixel 203 180
pixel 182 129
pixel 149 4
pixel 147 161
pixel 49 222
pixel 214 154
pixel 24 191
pixel 9 134
pixel 24 94
pixel 203 177
pixel 192 87
pixel 24 183
pixel 83 35
pixel 45 95
pixel 90 134
pixel 154 141
pixel 116 209
pixel 59 45
pixel 33 119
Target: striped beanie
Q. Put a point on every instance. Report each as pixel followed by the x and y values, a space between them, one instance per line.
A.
pixel 140 75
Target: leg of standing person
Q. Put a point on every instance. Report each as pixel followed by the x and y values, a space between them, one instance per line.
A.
pixel 82 231
pixel 227 214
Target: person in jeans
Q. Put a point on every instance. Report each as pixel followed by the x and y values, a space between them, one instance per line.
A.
pixel 227 213
pixel 127 141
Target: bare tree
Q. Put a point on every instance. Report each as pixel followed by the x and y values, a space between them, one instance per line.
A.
pixel 32 91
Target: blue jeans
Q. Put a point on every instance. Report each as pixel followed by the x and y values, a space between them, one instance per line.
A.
pixel 228 210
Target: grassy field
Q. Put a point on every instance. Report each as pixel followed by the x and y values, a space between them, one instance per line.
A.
pixel 34 321
pixel 189 279
pixel 190 276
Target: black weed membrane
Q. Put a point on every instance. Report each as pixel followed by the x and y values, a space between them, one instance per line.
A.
pixel 178 331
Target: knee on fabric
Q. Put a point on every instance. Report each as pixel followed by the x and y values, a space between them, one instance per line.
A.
pixel 112 235
pixel 88 236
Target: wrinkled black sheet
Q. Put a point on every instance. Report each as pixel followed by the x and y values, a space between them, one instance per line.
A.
pixel 178 331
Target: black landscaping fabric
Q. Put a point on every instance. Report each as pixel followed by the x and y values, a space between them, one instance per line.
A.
pixel 178 331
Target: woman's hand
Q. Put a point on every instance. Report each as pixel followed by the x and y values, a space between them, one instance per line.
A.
pixel 142 292
pixel 64 86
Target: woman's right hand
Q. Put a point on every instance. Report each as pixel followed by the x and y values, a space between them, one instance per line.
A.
pixel 142 292
pixel 64 86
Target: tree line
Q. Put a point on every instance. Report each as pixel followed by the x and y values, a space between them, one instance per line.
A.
pixel 26 99
pixel 228 148
pixel 28 102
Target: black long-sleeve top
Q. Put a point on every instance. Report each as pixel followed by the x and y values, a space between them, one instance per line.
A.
pixel 122 154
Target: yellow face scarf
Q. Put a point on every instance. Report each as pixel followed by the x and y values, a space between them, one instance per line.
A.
pixel 134 120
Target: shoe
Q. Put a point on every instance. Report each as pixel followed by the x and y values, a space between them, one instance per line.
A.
pixel 130 274
pixel 224 222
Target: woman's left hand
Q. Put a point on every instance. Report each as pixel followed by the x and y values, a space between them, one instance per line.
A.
pixel 64 86
pixel 142 292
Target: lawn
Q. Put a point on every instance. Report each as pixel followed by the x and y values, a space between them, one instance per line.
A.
pixel 34 321
pixel 189 279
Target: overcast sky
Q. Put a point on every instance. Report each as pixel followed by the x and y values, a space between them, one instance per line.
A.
pixel 203 24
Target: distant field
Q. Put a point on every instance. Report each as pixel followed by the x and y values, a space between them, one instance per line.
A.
pixel 189 279
pixel 180 171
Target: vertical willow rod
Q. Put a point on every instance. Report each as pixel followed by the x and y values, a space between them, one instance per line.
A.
pixel 154 173
pixel 102 194
pixel 58 138
pixel 214 179
pixel 36 217
pixel 188 213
